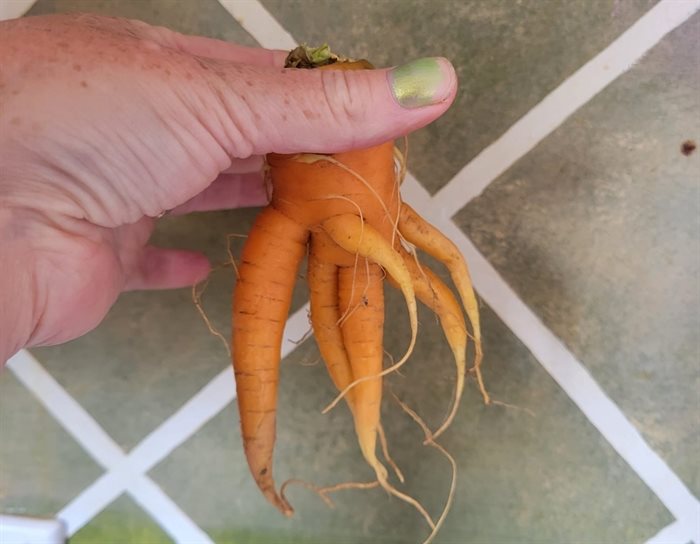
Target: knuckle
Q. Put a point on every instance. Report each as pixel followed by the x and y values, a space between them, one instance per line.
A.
pixel 346 95
pixel 237 122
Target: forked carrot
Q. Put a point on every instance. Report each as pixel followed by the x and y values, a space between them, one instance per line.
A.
pixel 345 211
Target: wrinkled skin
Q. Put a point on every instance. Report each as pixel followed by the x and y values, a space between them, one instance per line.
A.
pixel 106 123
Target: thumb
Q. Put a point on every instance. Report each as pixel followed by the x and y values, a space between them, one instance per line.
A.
pixel 267 109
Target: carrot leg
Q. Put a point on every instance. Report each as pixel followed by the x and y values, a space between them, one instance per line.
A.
pixel 261 301
pixel 325 318
pixel 361 295
pixel 361 298
pixel 356 237
pixel 433 292
pixel 322 277
pixel 426 237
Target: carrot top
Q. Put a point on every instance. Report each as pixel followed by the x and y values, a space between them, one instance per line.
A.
pixel 305 56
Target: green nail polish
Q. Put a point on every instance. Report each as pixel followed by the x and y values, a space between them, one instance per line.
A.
pixel 419 83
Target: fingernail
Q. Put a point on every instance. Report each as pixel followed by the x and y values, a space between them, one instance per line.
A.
pixel 421 82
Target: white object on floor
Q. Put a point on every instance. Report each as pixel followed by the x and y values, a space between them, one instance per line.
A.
pixel 10 9
pixel 21 530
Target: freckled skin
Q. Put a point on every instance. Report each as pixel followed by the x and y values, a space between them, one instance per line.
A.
pixel 113 133
pixel 75 133
pixel 43 80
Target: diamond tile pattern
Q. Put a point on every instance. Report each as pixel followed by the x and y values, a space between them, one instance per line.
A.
pixel 573 227
pixel 597 229
pixel 41 466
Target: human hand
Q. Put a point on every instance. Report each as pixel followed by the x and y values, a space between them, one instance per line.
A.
pixel 107 123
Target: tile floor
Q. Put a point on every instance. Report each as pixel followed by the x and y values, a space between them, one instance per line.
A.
pixel 592 230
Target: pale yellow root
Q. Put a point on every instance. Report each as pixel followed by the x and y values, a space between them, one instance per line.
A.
pixel 199 288
pixel 385 452
pixel 509 406
pixel 304 337
pixel 352 309
pixel 323 291
pixel 426 237
pixel 362 340
pixel 197 292
pixel 355 237
pixel 231 258
pixel 311 363
pixel 392 361
pixel 432 292
pixel 381 477
pixel 323 492
pixel 431 442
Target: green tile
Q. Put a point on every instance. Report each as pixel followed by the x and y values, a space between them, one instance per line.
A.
pixel 41 467
pixel 521 478
pixel 597 230
pixel 121 522
pixel 508 56
pixel 201 17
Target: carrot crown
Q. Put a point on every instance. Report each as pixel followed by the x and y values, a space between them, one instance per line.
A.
pixel 305 56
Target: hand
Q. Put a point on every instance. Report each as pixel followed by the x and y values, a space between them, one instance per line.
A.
pixel 107 123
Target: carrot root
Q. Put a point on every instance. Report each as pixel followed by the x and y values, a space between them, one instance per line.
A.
pixel 197 292
pixel 426 237
pixel 356 237
pixel 429 441
pixel 323 492
pixel 260 310
pixel 345 210
pixel 385 452
pixel 432 292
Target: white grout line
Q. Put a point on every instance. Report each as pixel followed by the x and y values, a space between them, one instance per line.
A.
pixel 65 409
pixel 202 407
pixel 165 512
pixel 194 414
pixel 674 533
pixel 92 500
pixel 268 32
pixel 97 443
pixel 558 105
pixel 11 9
pixel 145 492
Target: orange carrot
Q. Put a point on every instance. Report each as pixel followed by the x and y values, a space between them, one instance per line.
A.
pixel 345 211
pixel 361 297
pixel 276 244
